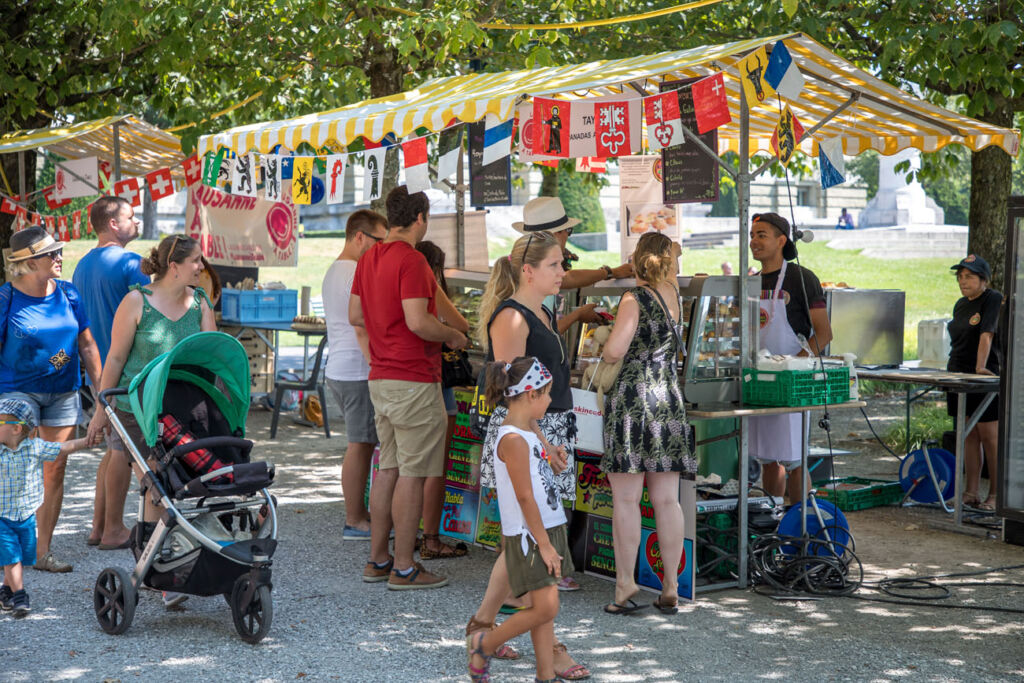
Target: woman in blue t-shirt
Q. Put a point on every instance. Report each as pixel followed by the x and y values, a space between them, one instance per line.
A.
pixel 44 343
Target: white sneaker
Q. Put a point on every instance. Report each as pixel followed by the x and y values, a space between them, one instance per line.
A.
pixel 172 599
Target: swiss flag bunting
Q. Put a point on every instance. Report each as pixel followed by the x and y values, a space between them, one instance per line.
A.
pixel 193 170
pixel 128 189
pixel 551 127
pixel 415 154
pixel 51 223
pixel 161 184
pixel 76 224
pixel 62 228
pixel 611 128
pixel 8 206
pixel 710 104
pixel 664 127
pixel 52 202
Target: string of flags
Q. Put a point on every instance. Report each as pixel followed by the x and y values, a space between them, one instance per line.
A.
pixel 543 130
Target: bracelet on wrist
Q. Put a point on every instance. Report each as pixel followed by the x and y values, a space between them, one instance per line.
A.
pixel 607 272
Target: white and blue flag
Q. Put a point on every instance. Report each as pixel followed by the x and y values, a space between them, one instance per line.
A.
pixel 830 159
pixel 783 74
pixel 497 139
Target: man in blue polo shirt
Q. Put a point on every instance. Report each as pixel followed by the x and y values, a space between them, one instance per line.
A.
pixel 103 277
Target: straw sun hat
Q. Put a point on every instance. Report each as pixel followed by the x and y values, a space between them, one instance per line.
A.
pixel 29 243
pixel 544 213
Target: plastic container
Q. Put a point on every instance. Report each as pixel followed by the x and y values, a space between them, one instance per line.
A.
pixel 796 387
pixel 933 343
pixel 248 306
pixel 856 493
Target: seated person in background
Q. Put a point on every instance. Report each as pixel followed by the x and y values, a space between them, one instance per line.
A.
pixel 845 221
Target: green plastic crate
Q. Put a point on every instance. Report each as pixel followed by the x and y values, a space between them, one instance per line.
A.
pixel 856 493
pixel 796 387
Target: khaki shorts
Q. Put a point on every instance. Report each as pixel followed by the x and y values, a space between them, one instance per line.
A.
pixel 411 424
pixel 528 572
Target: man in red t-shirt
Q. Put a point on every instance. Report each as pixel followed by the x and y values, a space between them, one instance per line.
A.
pixel 393 299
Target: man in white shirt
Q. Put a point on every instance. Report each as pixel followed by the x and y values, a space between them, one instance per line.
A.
pixel 348 368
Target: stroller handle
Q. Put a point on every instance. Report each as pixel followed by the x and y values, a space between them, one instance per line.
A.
pixel 209 442
pixel 114 391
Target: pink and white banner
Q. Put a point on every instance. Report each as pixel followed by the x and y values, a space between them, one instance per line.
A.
pixel 243 231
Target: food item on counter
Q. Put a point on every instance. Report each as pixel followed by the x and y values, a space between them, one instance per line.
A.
pixel 835 285
pixel 309 320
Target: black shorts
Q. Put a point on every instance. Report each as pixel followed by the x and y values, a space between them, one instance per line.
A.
pixel 991 413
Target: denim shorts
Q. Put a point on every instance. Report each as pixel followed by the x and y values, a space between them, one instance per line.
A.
pixel 18 541
pixel 51 410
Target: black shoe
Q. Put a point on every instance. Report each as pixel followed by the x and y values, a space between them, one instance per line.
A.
pixel 6 598
pixel 21 606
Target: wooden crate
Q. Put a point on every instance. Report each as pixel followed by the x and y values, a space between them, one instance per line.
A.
pixel 261 358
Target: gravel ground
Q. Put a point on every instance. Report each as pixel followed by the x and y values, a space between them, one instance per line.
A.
pixel 328 625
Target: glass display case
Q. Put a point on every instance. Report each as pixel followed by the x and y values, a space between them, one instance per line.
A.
pixel 1010 482
pixel 710 332
pixel 465 287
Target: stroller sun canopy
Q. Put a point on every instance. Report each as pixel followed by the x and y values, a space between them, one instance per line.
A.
pixel 219 354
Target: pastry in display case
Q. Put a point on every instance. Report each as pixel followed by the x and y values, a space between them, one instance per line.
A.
pixel 465 288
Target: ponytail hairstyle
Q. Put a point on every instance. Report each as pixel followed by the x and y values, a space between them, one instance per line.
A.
pixel 172 249
pixel 530 250
pixel 653 258
pixel 499 379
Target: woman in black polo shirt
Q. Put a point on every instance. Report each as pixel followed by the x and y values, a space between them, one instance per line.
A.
pixel 972 334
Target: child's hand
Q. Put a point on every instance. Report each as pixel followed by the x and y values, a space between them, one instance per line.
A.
pixel 559 459
pixel 552 560
pixel 94 439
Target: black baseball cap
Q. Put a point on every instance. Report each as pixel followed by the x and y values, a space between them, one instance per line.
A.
pixel 976 265
pixel 782 225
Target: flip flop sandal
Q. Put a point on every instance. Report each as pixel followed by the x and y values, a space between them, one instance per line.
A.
pixel 446 551
pixel 986 506
pixel 92 541
pixel 971 499
pixel 510 609
pixel 118 546
pixel 568 584
pixel 665 608
pixel 630 607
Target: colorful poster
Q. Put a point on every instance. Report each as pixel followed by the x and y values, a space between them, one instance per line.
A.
pixel 488 521
pixel 593 493
pixel 462 464
pixel 646 510
pixel 242 231
pixel 641 205
pixel 600 555
pixel 458 516
pixel 463 402
pixel 651 565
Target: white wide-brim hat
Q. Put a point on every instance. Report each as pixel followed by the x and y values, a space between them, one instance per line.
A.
pixel 544 214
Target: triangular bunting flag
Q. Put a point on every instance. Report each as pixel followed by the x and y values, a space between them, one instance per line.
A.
pixel 161 184
pixel 497 139
pixel 243 175
pixel 128 189
pixel 756 89
pixel 335 178
pixel 449 147
pixel 783 74
pixel 302 180
pixel 271 177
pixel 710 105
pixel 373 174
pixel 786 137
pixel 830 159
pixel 414 154
pixel 664 128
pixel 193 170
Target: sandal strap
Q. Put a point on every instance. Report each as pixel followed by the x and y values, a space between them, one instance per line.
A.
pixel 560 648
pixel 475 625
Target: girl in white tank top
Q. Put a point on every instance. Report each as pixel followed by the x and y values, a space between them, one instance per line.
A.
pixel 532 517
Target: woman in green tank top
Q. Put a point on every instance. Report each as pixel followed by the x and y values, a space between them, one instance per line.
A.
pixel 152 320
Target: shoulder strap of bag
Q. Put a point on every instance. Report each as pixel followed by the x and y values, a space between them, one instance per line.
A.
pixel 668 315
pixel 6 297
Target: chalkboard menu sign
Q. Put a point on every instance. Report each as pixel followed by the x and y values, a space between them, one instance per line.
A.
pixel 691 175
pixel 490 185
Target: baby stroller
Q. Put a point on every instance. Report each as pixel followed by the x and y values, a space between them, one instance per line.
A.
pixel 219 529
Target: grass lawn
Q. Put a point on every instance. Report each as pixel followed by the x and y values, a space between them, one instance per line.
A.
pixel 931 290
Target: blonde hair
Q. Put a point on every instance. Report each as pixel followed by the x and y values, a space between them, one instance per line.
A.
pixel 528 249
pixel 16 269
pixel 653 258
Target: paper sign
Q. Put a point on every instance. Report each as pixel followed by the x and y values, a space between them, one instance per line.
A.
pixel 242 231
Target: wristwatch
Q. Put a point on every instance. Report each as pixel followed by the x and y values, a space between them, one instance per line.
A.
pixel 607 272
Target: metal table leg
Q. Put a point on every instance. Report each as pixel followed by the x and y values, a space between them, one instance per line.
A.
pixel 805 448
pixel 741 506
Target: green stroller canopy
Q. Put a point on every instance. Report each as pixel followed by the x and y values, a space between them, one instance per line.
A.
pixel 220 354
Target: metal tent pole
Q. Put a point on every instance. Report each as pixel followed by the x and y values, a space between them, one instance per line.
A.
pixel 117 152
pixel 460 211
pixel 743 193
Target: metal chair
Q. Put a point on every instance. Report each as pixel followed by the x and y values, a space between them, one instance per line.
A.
pixel 309 384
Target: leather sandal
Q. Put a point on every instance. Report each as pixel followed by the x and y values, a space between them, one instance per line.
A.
pixel 446 551
pixel 482 674
pixel 504 651
pixel 576 672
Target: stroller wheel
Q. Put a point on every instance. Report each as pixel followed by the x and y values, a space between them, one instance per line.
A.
pixel 114 599
pixel 252 620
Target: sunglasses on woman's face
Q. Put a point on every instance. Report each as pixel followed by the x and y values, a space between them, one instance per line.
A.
pixel 53 255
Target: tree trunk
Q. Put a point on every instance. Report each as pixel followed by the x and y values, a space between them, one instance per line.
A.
pixel 150 231
pixel 991 182
pixel 549 182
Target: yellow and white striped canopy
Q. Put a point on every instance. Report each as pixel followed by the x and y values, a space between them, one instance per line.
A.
pixel 884 118
pixel 144 147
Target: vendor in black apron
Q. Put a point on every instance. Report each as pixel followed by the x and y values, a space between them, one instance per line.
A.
pixel 973 349
pixel 785 313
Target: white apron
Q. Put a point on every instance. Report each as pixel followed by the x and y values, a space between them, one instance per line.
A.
pixel 776 437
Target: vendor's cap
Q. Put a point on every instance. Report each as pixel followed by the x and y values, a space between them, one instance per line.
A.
pixel 975 264
pixel 774 219
pixel 29 243
pixel 19 410
pixel 544 213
